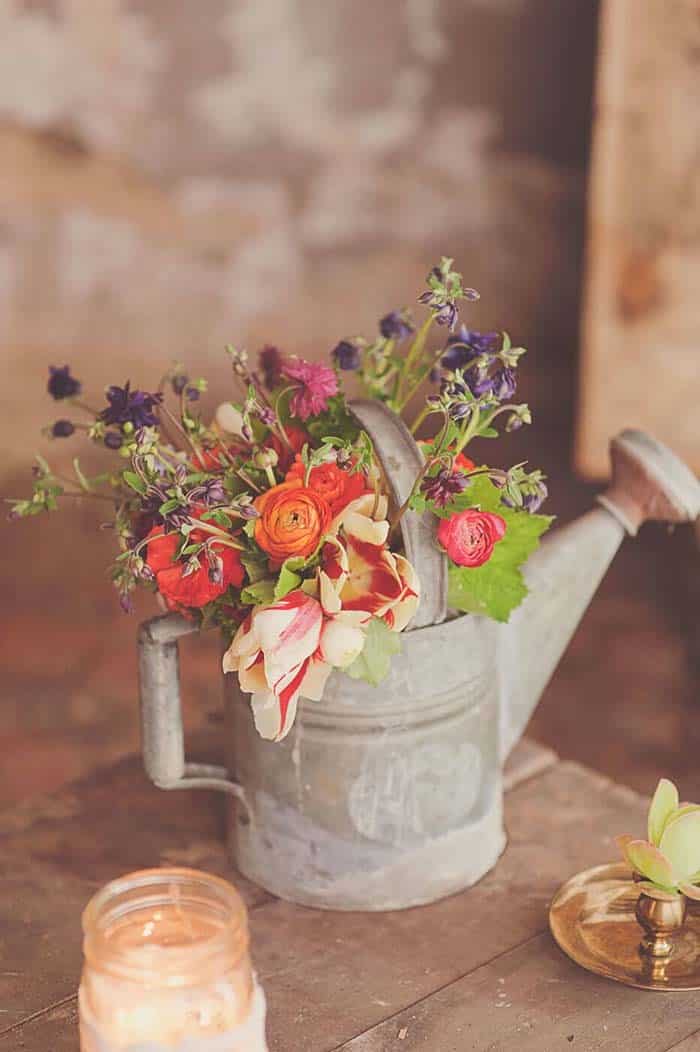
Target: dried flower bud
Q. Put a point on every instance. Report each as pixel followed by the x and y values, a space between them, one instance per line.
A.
pixel 265 458
pixel 62 429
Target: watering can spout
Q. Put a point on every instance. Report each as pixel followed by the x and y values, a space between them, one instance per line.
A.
pixel 649 483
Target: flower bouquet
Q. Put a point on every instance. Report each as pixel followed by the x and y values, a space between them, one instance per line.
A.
pixel 273 520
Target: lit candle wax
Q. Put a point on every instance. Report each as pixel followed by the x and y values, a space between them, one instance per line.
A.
pixel 167 968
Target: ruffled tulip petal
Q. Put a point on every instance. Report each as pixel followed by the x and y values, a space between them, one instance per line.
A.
pixel 328 594
pixel 251 674
pixel 365 529
pixel 680 843
pixel 288 632
pixel 663 804
pixel 315 678
pixel 341 642
pixel 269 722
pixel 649 862
pixel 403 611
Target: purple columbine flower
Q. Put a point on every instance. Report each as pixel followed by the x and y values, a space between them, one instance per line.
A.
pixel 61 384
pixel 459 411
pixel 396 325
pixel 503 384
pixel 62 429
pixel 346 355
pixel 133 407
pixel 113 440
pixel 467 345
pixel 193 394
pixel 267 415
pixel 479 382
pixel 447 314
pixel 441 488
pixel 534 500
pixel 179 383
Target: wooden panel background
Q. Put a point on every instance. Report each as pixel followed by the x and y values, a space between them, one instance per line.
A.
pixel 641 351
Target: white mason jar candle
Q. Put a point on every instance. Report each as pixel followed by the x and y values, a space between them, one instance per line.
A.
pixel 167 967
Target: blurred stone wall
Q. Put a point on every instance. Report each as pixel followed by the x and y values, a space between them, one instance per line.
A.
pixel 174 176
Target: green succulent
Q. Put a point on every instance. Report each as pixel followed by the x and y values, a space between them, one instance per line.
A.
pixel 669 861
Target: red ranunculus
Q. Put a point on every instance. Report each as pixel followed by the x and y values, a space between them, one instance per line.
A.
pixel 208 458
pixel 336 486
pixel 297 438
pixel 469 536
pixel 195 589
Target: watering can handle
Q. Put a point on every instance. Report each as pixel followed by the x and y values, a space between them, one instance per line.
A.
pixel 401 460
pixel 162 734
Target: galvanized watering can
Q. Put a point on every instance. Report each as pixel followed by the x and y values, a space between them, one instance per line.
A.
pixel 389 797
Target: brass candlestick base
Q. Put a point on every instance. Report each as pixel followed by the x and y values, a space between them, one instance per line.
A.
pixel 600 920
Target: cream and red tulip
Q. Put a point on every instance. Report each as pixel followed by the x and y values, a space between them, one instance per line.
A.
pixel 288 649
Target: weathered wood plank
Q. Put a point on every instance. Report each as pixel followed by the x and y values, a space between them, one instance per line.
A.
pixel 53 1031
pixel 642 307
pixel 534 999
pixel 330 976
pixel 690 1044
pixel 116 821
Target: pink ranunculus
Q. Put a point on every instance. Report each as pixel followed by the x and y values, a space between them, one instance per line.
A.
pixel 469 536
pixel 273 652
pixel 314 383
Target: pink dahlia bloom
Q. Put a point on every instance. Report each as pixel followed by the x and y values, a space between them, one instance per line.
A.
pixel 316 384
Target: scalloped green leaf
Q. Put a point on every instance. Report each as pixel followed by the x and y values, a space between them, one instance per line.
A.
pixel 690 890
pixel 664 802
pixel 649 862
pixel 680 843
pixel 655 892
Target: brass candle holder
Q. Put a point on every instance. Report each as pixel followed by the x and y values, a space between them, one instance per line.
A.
pixel 596 916
pixel 602 921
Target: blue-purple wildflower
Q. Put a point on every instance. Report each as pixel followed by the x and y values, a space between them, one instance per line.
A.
pixel 346 355
pixel 441 488
pixel 130 407
pixel 61 384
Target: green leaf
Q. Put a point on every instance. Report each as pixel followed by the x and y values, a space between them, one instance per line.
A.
pixel 664 802
pixel 169 505
pixel 260 593
pixel 134 481
pixel 374 662
pixel 680 843
pixel 497 587
pixel 288 578
pixel 255 566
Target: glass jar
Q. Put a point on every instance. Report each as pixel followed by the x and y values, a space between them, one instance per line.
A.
pixel 167 967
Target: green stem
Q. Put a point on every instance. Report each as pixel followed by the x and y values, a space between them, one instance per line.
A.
pixel 421 378
pixel 424 413
pixel 415 350
pixel 419 478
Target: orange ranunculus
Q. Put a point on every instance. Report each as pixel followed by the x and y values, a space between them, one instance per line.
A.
pixel 292 520
pixel 336 486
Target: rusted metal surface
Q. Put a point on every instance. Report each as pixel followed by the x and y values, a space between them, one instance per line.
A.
pixel 336 980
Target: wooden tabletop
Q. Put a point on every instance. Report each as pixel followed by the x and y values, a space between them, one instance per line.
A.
pixel 478 971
